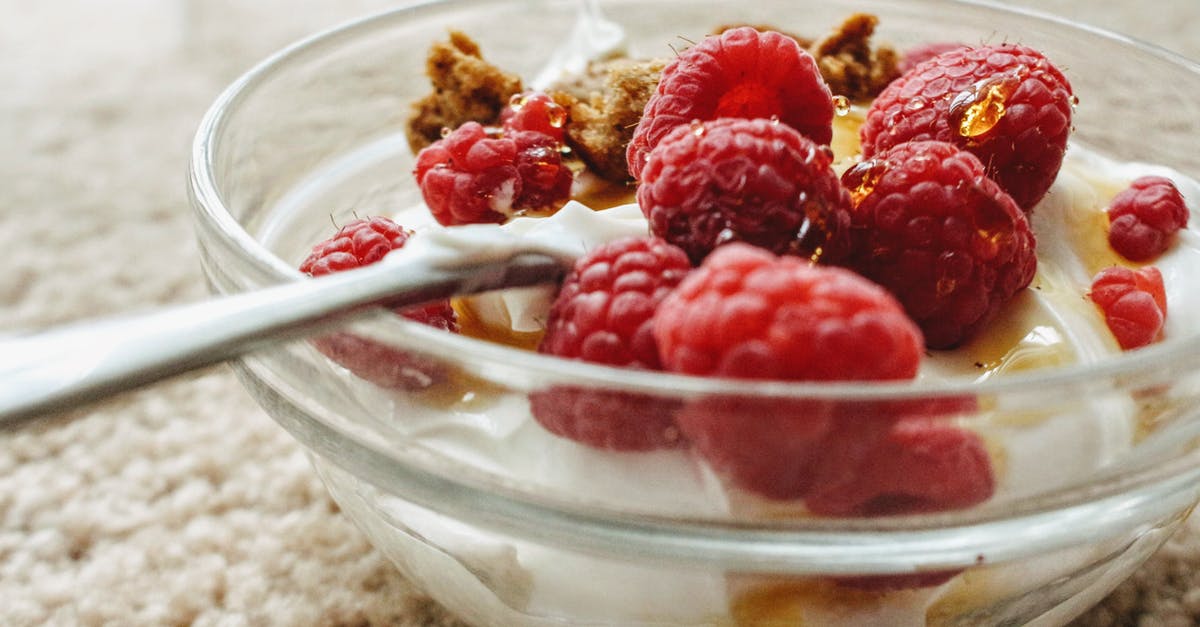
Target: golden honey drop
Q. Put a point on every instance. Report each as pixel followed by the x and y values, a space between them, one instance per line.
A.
pixel 860 180
pixel 979 108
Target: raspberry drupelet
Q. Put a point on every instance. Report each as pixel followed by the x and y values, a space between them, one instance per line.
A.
pixel 1007 104
pixel 1144 217
pixel 941 236
pixel 359 243
pixel 603 314
pixel 742 73
pixel 755 181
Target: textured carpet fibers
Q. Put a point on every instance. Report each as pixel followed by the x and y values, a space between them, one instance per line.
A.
pixel 183 503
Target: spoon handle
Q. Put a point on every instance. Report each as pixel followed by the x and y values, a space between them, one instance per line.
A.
pixel 71 365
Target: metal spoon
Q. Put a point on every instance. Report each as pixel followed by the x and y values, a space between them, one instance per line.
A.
pixel 84 362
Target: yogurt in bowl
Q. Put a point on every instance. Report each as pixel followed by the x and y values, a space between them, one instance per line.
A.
pixel 508 524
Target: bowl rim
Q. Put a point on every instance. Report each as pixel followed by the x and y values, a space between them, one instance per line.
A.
pixel 647 530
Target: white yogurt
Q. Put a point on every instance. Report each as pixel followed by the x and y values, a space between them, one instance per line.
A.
pixel 1058 322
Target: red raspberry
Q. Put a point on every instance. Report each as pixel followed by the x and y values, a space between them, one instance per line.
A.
pixel 1007 104
pixel 469 177
pixel 545 179
pixel 1134 303
pixel 603 314
pixel 360 243
pixel 918 465
pixel 1144 217
pixel 740 73
pixel 535 111
pixel 941 236
pixel 756 181
pixel 746 313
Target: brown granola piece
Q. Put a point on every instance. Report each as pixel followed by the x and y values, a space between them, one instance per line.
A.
pixel 465 88
pixel 604 106
pixel 848 63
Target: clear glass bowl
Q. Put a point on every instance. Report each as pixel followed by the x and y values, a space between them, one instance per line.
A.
pixel 507 525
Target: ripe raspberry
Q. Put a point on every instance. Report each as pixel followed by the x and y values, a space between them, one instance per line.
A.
pixel 740 73
pixel 756 181
pixel 360 243
pixel 748 314
pixel 918 465
pixel 941 236
pixel 603 314
pixel 545 179
pixel 469 177
pixel 1134 303
pixel 1007 104
pixel 535 111
pixel 1144 217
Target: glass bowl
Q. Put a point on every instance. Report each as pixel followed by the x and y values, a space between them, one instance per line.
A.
pixel 1095 463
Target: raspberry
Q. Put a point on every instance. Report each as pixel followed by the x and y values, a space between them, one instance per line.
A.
pixel 1134 303
pixel 746 313
pixel 756 181
pixel 545 179
pixel 918 465
pixel 360 243
pixel 1144 217
pixel 1007 104
pixel 603 314
pixel 740 73
pixel 535 111
pixel 469 177
pixel 941 236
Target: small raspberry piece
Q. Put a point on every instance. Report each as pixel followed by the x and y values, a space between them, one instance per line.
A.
pixel 756 181
pixel 535 111
pixel 603 314
pixel 471 177
pixel 545 179
pixel 941 236
pixel 741 73
pixel 1134 303
pixel 1144 217
pixel 359 243
pixel 1007 104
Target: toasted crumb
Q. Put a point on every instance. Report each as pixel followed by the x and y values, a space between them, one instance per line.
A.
pixel 851 67
pixel 604 106
pixel 465 88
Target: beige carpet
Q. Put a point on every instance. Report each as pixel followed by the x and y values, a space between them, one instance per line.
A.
pixel 184 503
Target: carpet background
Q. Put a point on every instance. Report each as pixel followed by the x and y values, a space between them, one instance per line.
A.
pixel 183 503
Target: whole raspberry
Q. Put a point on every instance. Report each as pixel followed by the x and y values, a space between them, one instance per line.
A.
pixel 1134 303
pixel 756 181
pixel 603 314
pixel 741 73
pixel 1007 104
pixel 470 177
pixel 360 243
pixel 535 111
pixel 1144 217
pixel 746 313
pixel 941 236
